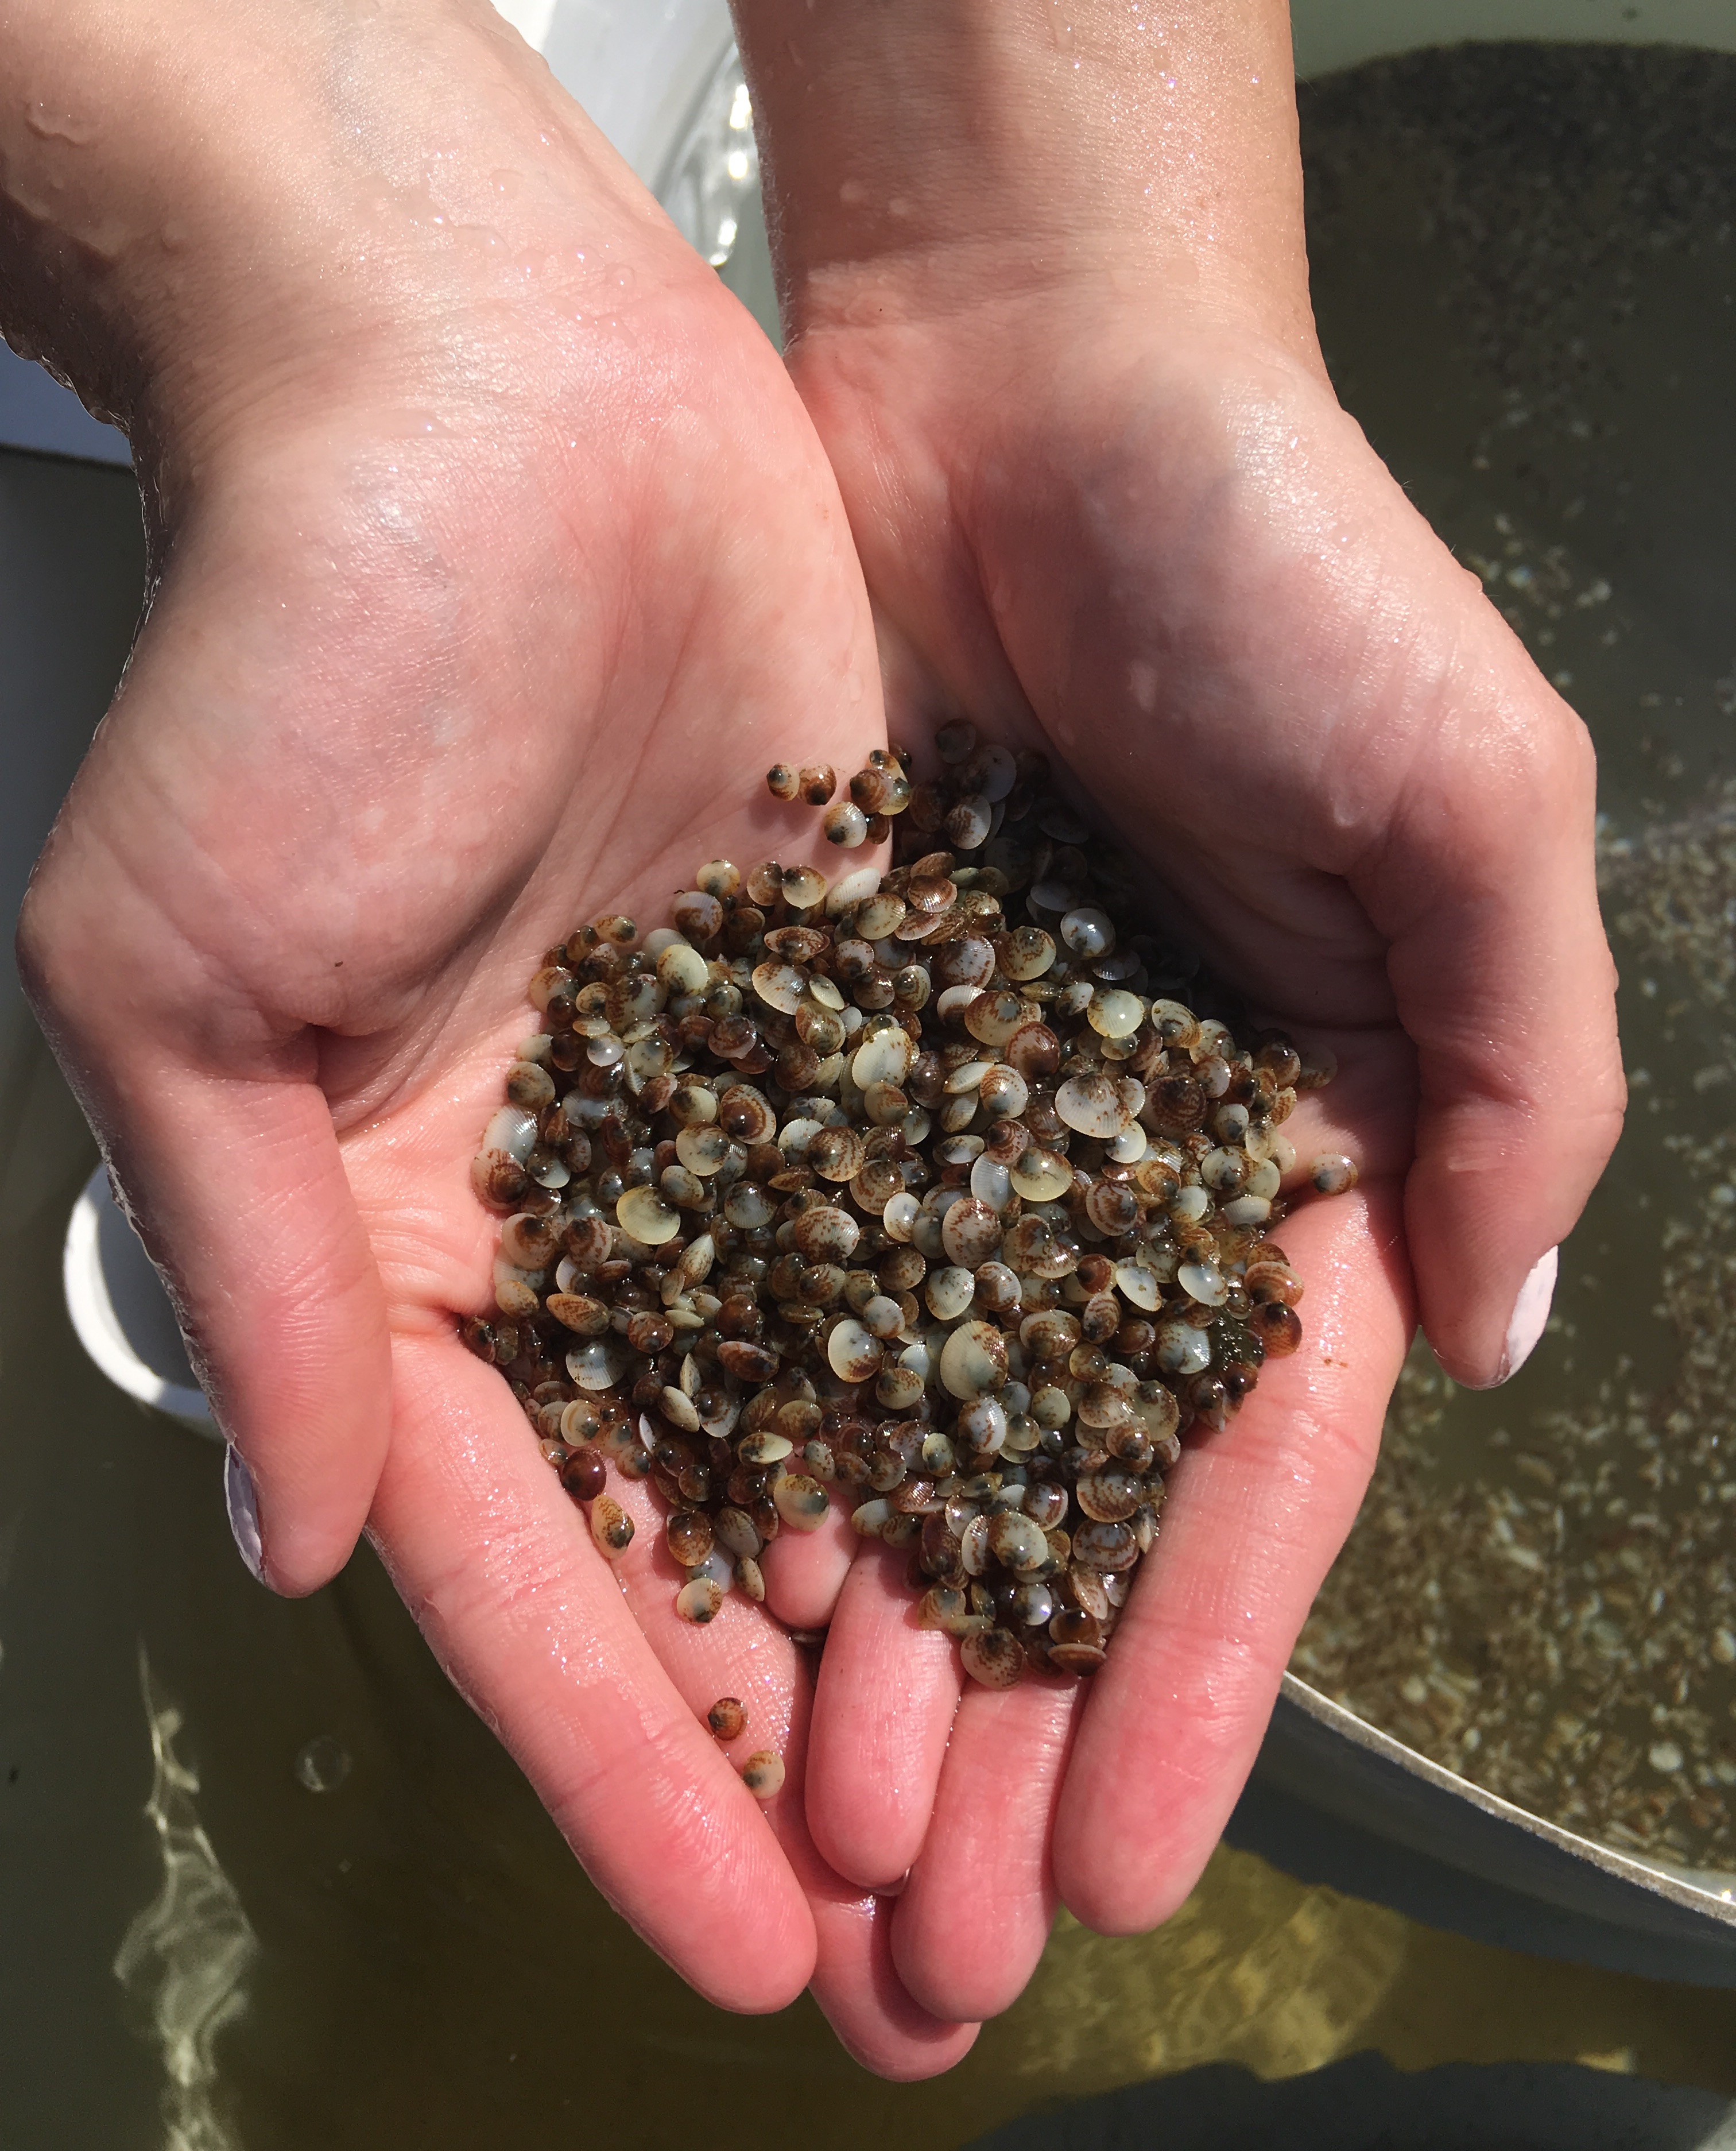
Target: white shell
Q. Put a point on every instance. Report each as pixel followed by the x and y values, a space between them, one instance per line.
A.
pixel 948 1293
pixel 973 1360
pixel 1138 1287
pixel 886 1058
pixel 854 1353
pixel 1091 1105
pixel 900 1216
pixel 512 1130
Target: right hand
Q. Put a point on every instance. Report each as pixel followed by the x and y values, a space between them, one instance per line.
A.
pixel 493 559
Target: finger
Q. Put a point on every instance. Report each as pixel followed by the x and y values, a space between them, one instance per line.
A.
pixel 975 1916
pixel 1254 1517
pixel 743 1654
pixel 855 1981
pixel 1505 981
pixel 500 1570
pixel 865 2001
pixel 882 1711
pixel 804 1570
pixel 238 1191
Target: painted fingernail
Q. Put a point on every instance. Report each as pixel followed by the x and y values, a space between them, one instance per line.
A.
pixel 1531 1311
pixel 242 1502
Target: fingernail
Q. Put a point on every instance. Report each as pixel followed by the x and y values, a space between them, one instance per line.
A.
pixel 242 1502
pixel 1530 1311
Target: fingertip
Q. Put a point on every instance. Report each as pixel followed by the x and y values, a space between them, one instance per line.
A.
pixel 804 1571
pixel 877 2020
pixel 1526 1325
pixel 883 1709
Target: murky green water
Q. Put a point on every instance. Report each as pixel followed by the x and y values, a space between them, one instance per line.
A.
pixel 1526 288
pixel 347 1921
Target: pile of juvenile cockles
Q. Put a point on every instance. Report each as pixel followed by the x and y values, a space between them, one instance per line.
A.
pixel 926 1186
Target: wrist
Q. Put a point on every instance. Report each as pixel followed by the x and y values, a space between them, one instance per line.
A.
pixel 944 152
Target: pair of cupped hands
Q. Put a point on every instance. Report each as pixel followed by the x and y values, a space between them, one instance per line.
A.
pixel 495 555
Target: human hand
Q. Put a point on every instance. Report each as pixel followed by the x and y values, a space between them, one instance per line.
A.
pixel 493 560
pixel 1053 327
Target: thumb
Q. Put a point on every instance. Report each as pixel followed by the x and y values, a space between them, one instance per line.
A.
pixel 238 1189
pixel 1505 982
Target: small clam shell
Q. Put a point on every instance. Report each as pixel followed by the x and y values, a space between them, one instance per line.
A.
pixel 851 889
pixel 898 1388
pixel 854 1352
pixel 835 1154
pixel 880 917
pixel 802 1502
pixel 983 1426
pixel 1115 1012
pixel 727 1719
pixel 703 1149
pixel 1138 1286
pixel 513 1131
pixel 996 1016
pixel 643 1214
pixel 1111 1548
pixel 826 1235
pixel 681 969
pixel 1041 1176
pixel 1034 1050
pixel 1017 1542
pixel 611 1526
pixel 1278 1327
pixel 971 1231
pixel 677 1407
pixel 1204 1282
pixel 948 1293
pixel 1091 1105
pixel 1183 1350
pixel 748 1363
pixel 1225 1172
pixel 994 1658
pixel 763 1448
pixel 763 1774
pixel 584 1316
pixel 746 1114
pixel 871 1518
pixel 1109 1497
pixel 689 1538
pixel 899 1218
pixel 699 1601
pixel 966 1081
pixel 749 1578
pixel 782 986
pixel 598 1363
pixel 992 1183
pixel 948 1610
pixel 735 1533
pixel 1076 1658
pixel 1334 1174
pixel 973 1360
pixel 885 1058
pixel 749 1207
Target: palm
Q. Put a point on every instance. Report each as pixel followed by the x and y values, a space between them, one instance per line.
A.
pixel 1175 565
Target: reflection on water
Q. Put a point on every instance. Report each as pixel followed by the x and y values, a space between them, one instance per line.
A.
pixel 1526 288
pixel 186 1956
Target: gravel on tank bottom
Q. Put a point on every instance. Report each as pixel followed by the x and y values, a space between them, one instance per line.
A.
pixel 928 1187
